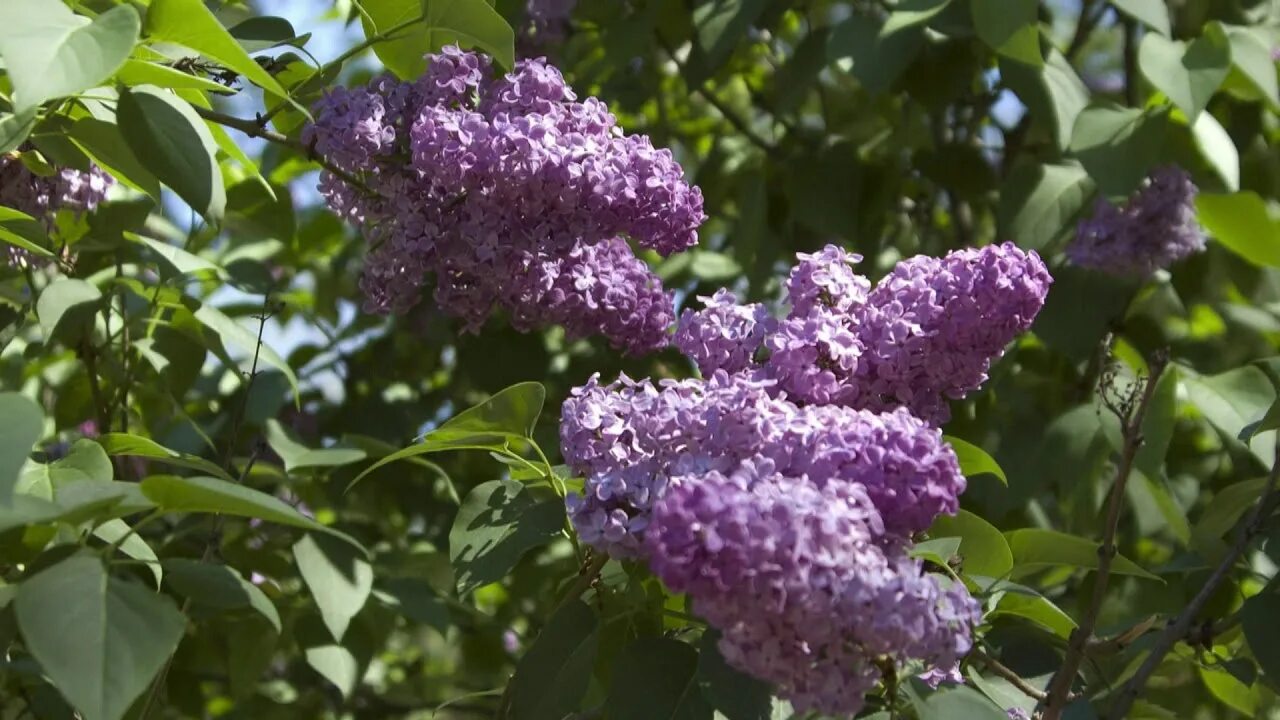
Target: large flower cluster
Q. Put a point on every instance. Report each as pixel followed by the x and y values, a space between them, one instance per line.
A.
pixel 1155 228
pixel 506 193
pixel 782 491
pixel 925 334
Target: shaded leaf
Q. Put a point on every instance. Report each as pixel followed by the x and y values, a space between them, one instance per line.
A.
pixel 137 446
pixel 50 52
pixel 173 143
pixel 99 639
pixel 22 427
pixel 296 455
pixel 339 578
pixel 552 677
pixel 1035 549
pixel 497 524
pixel 1189 74
pixel 659 682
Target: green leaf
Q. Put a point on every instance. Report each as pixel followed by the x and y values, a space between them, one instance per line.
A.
pixel 909 13
pixel 1154 506
pixel 164 132
pixel 1242 222
pixel 720 26
pixel 657 681
pixel 1225 510
pixel 296 455
pixel 1230 691
pixel 983 549
pixel 1119 146
pixel 50 52
pixel 552 677
pixel 959 703
pixel 339 578
pixel 336 664
pixel 104 142
pixel 1010 27
pixel 1231 401
pixel 509 414
pixel 975 461
pixel 1035 549
pixel 734 694
pixel 1041 203
pixel 190 24
pixel 1251 54
pixel 141 72
pixel 15 127
pixel 136 446
pixel 1188 74
pixel 233 332
pixel 211 495
pixel 1218 149
pixel 23 425
pixel 1152 13
pixel 86 460
pixel 713 266
pixel 1261 631
pixel 219 587
pixel 469 23
pixel 1157 426
pixel 496 525
pixel 180 261
pixel 1270 420
pixel 263 32
pixel 27 510
pixel 416 600
pixel 99 639
pixel 21 230
pixel 116 530
pixel 877 58
pixel 67 305
pixel 1020 601
pixel 1053 92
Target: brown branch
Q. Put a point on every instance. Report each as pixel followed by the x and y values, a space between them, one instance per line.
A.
pixel 1181 627
pixel 1087 21
pixel 1130 62
pixel 1060 686
pixel 253 129
pixel 586 577
pixel 1008 674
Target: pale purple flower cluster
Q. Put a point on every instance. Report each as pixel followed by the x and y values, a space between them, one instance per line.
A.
pixel 925 334
pixel 42 197
pixel 1155 228
pixel 782 491
pixel 506 193
pixel 787 525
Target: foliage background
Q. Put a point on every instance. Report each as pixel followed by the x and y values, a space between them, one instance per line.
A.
pixel 233 336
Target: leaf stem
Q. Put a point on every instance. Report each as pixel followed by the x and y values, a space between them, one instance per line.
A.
pixel 1059 689
pixel 1008 674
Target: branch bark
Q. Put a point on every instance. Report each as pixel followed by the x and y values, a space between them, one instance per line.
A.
pixel 1059 690
pixel 253 129
pixel 1180 628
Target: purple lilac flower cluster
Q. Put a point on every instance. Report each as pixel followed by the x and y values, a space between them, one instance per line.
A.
pixel 925 334
pixel 41 197
pixel 506 193
pixel 1155 228
pixel 782 491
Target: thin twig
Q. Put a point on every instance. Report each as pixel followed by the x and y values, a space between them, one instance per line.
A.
pixel 1180 628
pixel 1060 686
pixel 725 111
pixel 1085 24
pixel 215 534
pixel 1005 672
pixel 356 49
pixel 1130 62
pixel 586 577
pixel 253 129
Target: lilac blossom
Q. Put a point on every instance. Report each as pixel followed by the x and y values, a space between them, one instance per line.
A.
pixel 506 194
pixel 801 585
pixel 1155 228
pixel 926 334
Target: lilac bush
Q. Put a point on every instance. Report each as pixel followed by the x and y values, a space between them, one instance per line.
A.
pixel 1155 228
pixel 506 193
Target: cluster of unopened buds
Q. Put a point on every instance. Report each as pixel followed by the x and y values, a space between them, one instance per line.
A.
pixel 782 491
